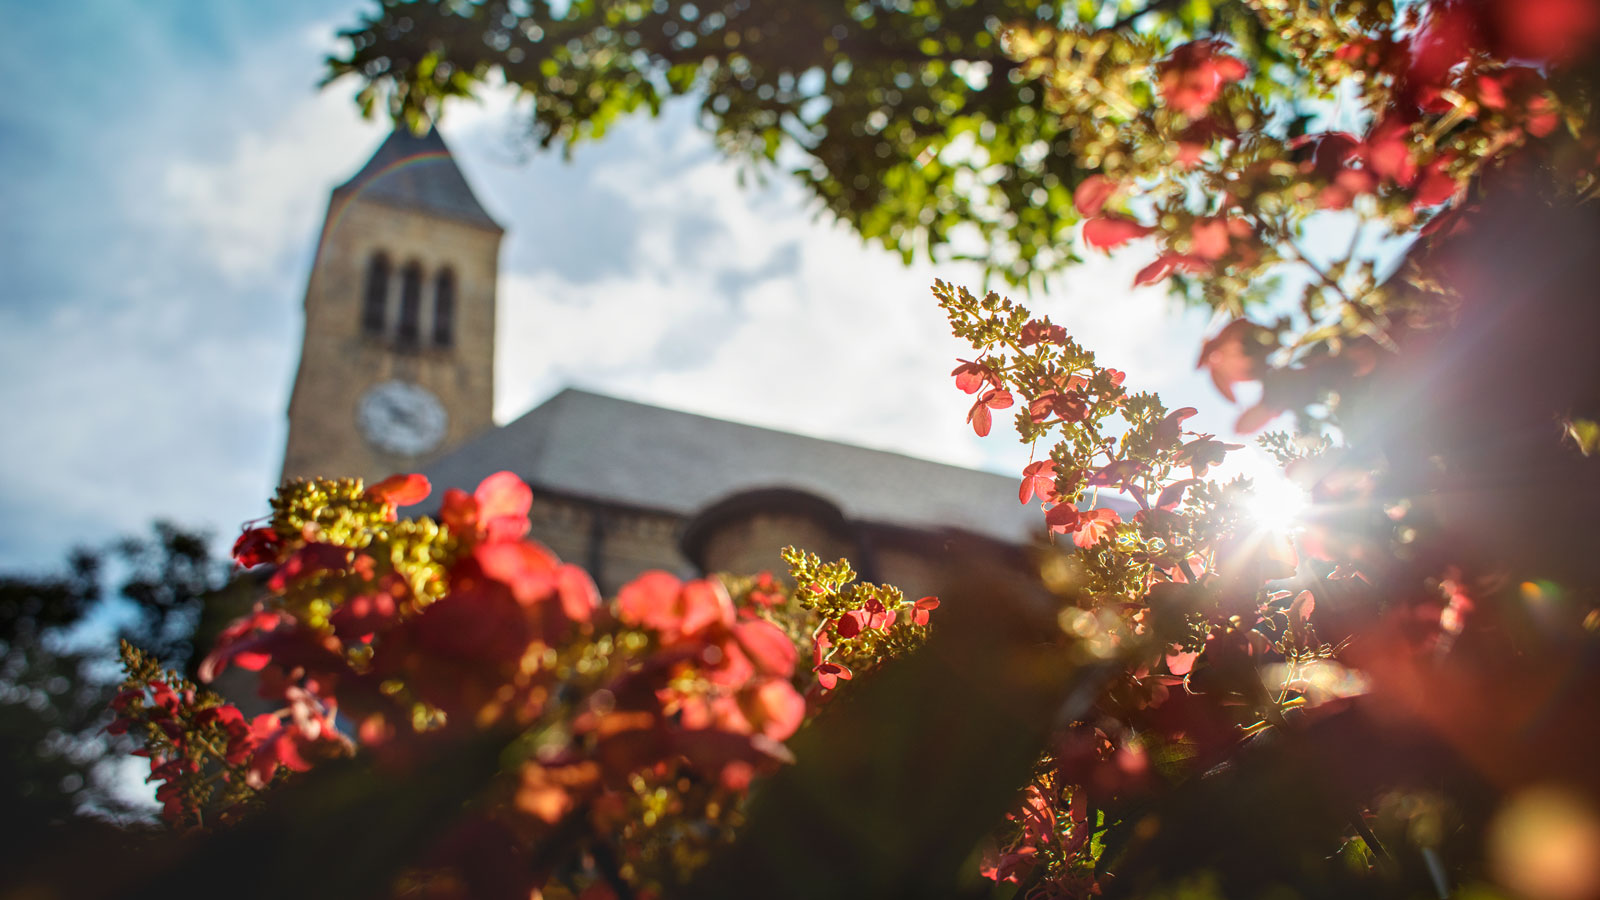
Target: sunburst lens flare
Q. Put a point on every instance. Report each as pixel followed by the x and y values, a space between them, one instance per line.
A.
pixel 1276 503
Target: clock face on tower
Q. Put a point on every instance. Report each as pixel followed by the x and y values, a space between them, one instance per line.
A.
pixel 401 418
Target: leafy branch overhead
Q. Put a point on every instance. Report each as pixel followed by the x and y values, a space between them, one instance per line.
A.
pixel 911 121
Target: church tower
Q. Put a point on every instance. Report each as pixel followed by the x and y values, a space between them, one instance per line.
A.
pixel 397 363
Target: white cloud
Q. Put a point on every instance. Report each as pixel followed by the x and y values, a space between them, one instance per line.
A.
pixel 158 385
pixel 841 342
pixel 257 206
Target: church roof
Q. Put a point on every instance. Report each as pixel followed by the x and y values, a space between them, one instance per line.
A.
pixel 417 172
pixel 618 451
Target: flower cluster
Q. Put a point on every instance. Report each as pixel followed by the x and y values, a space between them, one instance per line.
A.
pixel 209 759
pixel 1222 627
pixel 858 624
pixel 645 718
pixel 1213 162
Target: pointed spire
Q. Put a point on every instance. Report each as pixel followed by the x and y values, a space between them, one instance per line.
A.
pixel 418 173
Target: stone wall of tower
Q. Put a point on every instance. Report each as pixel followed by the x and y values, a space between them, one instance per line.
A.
pixel 339 362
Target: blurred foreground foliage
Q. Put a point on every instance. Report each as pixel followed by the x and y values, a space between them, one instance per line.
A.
pixel 1389 697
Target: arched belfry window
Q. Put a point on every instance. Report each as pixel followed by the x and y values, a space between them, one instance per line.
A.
pixel 375 302
pixel 409 332
pixel 444 308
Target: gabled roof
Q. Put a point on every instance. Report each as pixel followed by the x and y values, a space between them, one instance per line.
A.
pixel 618 451
pixel 417 172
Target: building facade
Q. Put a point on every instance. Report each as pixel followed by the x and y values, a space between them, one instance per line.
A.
pixel 396 374
pixel 397 363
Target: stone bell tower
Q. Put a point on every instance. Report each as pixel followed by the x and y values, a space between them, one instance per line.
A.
pixel 397 363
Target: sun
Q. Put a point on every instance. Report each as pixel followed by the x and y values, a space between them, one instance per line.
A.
pixel 1276 503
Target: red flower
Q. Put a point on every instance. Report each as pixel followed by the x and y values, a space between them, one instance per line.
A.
pixel 921 609
pixel 1202 453
pixel 528 569
pixel 1070 406
pixel 1038 478
pixel 1062 518
pixel 496 511
pixel 972 376
pixel 1435 186
pixel 1169 429
pixel 1092 194
pixel 257 546
pixel 311 559
pixel 577 593
pixel 1106 232
pixel 1198 137
pixel 400 490
pixel 1094 525
pixel 1120 473
pixel 1037 332
pixel 503 504
pixel 1209 237
pixel 879 617
pixel 819 647
pixel 1193 77
pixel 677 610
pixel 850 624
pixel 231 644
pixel 1172 494
pixel 979 414
pixel 1386 152
pixel 829 674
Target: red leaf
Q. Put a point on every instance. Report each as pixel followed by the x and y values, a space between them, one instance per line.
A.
pixel 1237 353
pixel 1154 272
pixel 1256 417
pixel 1166 263
pixel 1170 429
pixel 1106 232
pixel 1172 494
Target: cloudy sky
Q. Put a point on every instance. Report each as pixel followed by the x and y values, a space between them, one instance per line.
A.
pixel 163 174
